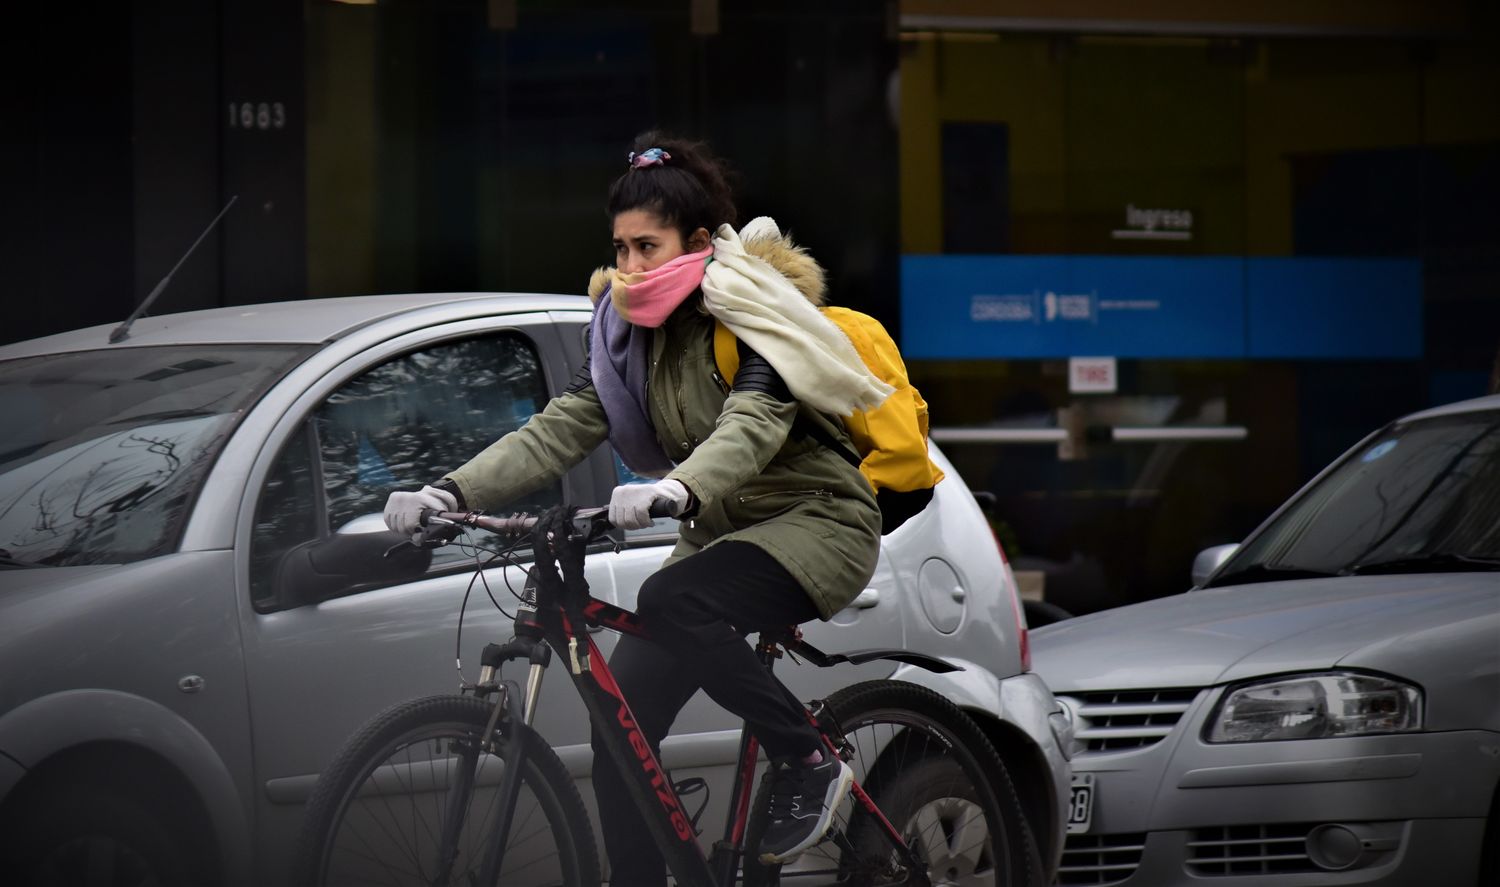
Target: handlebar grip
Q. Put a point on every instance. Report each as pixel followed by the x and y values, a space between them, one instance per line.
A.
pixel 432 535
pixel 661 508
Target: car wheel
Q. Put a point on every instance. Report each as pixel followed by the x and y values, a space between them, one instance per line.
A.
pixel 80 835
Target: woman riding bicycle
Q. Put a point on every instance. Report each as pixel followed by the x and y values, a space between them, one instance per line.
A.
pixel 777 528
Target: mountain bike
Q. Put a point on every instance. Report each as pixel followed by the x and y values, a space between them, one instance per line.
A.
pixel 460 790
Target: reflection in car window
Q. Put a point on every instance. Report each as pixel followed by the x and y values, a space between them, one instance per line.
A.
pixel 1426 494
pixel 411 420
pixel 102 452
pixel 285 515
pixel 398 426
pixel 662 529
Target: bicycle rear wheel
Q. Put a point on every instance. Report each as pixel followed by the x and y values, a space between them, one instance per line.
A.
pixel 379 812
pixel 937 779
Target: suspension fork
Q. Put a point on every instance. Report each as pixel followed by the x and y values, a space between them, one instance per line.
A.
pixel 466 772
pixel 458 802
pixel 519 712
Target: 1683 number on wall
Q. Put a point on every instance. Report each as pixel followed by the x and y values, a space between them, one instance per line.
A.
pixel 257 115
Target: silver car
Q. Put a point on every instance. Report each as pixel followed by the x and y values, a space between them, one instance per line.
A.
pixel 195 613
pixel 1325 707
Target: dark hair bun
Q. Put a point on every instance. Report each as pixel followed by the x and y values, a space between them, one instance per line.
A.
pixel 690 190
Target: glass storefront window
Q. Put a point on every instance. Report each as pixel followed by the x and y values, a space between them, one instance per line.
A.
pixel 1258 228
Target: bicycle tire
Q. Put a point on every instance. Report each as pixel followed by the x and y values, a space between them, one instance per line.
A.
pixel 930 769
pixel 370 769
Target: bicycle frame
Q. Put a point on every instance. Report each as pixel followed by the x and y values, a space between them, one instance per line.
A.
pixel 557 623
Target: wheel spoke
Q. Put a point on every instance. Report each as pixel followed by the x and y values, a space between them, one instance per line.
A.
pixel 926 767
pixel 370 838
pixel 970 837
pixel 928 834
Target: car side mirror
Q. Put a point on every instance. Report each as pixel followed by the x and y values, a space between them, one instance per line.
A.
pixel 1211 559
pixel 365 523
pixel 328 568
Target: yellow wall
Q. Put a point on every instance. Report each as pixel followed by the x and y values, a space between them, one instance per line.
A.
pixel 341 160
pixel 1225 150
pixel 979 78
pixel 1309 97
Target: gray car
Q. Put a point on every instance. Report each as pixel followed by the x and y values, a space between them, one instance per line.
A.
pixel 1325 708
pixel 195 613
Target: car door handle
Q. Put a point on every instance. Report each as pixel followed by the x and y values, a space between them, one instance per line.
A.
pixel 867 599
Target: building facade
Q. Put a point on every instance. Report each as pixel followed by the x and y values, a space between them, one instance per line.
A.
pixel 1271 225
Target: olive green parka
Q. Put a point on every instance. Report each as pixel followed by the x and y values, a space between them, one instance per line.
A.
pixel 753 478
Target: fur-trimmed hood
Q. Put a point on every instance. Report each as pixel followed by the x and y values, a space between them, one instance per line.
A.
pixel 777 250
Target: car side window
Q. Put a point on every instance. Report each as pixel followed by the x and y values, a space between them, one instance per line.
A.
pixel 285 516
pixel 410 420
pixel 663 530
pixel 397 426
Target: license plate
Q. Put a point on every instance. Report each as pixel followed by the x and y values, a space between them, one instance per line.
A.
pixel 1081 810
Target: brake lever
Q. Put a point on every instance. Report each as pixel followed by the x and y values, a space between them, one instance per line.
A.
pixel 404 543
pixel 434 532
pixel 597 522
pixel 432 536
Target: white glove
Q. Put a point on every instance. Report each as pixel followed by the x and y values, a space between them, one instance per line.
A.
pixel 630 504
pixel 402 509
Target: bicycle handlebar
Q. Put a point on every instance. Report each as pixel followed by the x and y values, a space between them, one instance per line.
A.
pixel 504 526
pixel 438 524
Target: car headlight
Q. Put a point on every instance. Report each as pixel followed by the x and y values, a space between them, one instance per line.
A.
pixel 1315 706
pixel 1064 723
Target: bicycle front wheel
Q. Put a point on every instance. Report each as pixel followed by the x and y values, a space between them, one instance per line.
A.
pixel 410 800
pixel 935 777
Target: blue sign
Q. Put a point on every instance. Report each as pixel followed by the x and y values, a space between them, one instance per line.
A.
pixel 961 306
pixel 1348 308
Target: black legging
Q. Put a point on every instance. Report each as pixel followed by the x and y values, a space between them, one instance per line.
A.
pixel 699 610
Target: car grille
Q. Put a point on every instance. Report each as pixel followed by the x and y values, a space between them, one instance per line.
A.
pixel 1120 719
pixel 1250 850
pixel 1100 859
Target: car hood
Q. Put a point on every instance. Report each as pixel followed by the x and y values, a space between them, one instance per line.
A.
pixel 1220 635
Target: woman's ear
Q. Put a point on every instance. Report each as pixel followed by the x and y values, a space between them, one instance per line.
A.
pixel 698 241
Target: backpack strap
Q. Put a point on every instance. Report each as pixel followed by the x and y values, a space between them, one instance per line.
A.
pixel 810 427
pixel 727 359
pixel 726 352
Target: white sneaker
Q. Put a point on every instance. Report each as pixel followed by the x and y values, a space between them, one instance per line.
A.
pixel 803 799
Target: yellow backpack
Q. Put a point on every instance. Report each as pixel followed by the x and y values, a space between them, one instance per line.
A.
pixel 891 439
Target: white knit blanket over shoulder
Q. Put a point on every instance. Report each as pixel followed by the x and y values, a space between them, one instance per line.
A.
pixel 766 312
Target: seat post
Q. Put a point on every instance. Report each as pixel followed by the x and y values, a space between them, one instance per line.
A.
pixel 768 645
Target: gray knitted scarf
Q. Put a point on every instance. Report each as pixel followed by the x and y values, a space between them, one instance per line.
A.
pixel 620 363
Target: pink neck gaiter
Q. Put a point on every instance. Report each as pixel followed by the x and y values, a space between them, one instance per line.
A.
pixel 647 298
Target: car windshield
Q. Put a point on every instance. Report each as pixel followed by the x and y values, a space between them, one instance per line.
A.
pixel 1424 496
pixel 102 452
